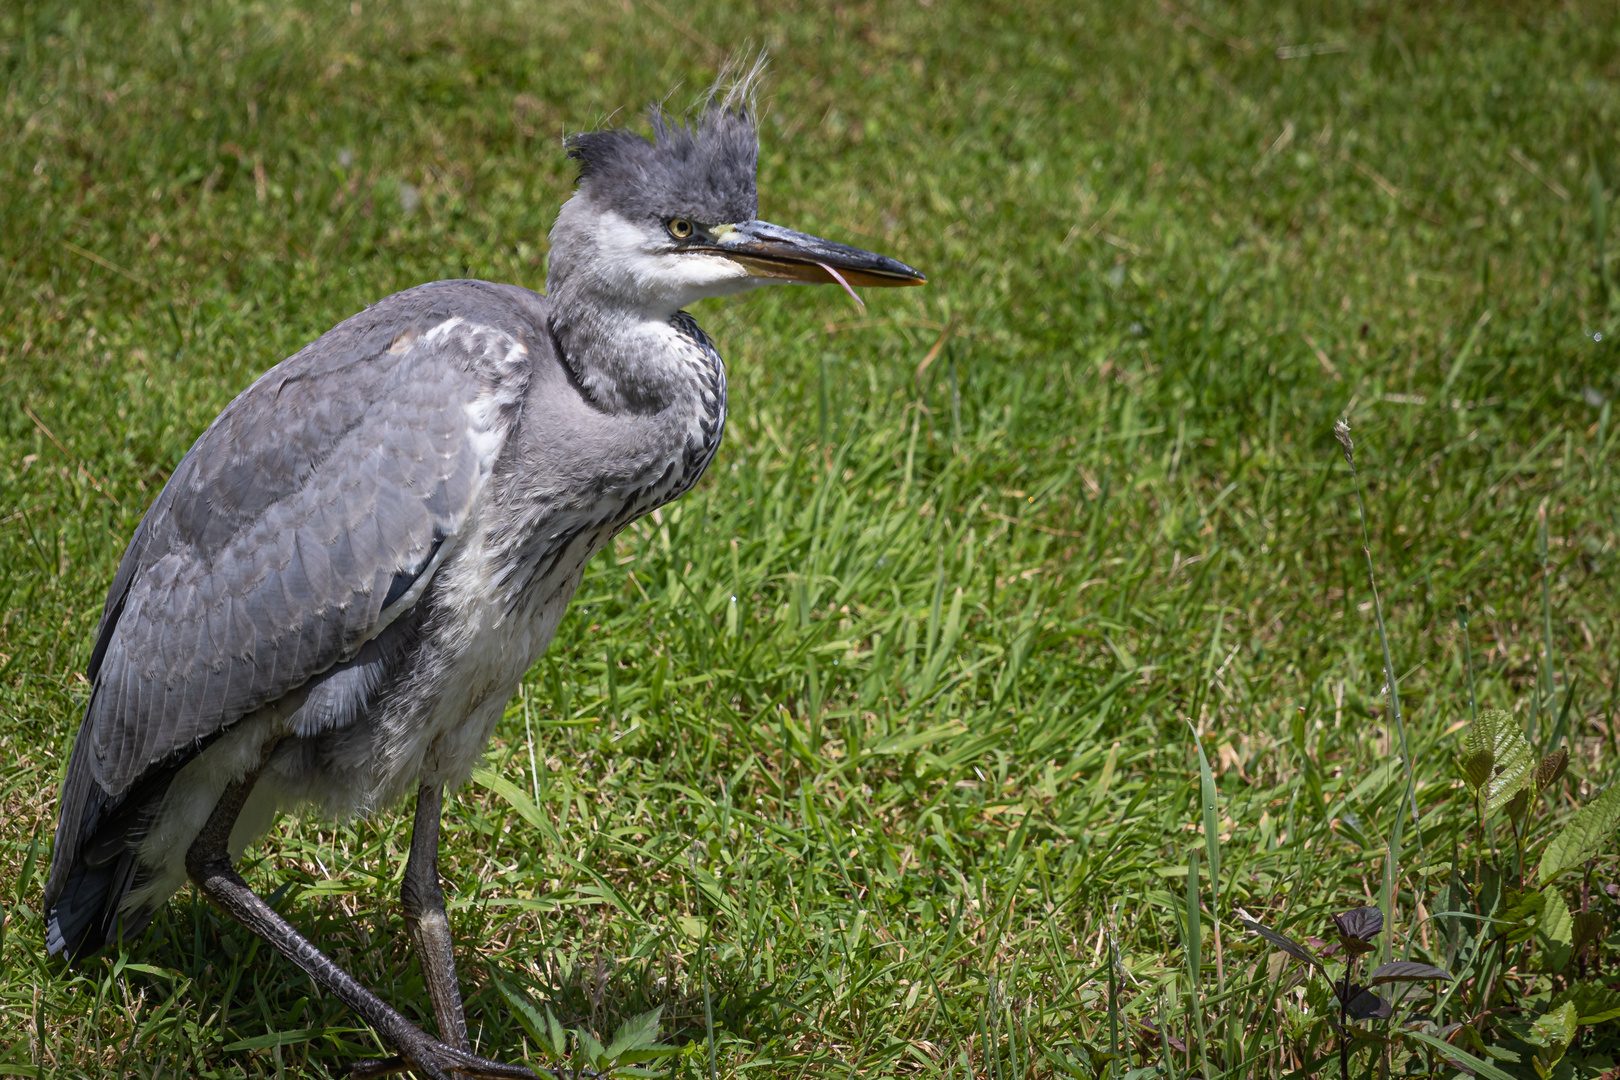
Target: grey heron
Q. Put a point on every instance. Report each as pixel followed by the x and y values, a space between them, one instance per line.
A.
pixel 341 585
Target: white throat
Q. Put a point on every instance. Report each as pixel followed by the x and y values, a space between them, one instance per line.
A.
pixel 632 266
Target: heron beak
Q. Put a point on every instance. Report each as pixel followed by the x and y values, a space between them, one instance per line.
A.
pixel 770 251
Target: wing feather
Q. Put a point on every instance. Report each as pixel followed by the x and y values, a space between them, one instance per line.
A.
pixel 265 560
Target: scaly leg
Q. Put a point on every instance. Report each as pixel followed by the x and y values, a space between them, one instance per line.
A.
pixel 425 919
pixel 208 861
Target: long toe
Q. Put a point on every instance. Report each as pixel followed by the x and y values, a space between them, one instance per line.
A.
pixel 468 1064
pixel 434 1059
pixel 371 1068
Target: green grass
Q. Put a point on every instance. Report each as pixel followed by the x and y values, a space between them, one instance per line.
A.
pixel 875 745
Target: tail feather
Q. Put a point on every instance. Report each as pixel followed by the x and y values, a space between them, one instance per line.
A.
pixel 86 918
pixel 96 865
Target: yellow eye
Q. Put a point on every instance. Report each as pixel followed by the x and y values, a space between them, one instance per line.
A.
pixel 680 228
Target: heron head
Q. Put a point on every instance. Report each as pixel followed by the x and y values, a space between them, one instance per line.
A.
pixel 666 221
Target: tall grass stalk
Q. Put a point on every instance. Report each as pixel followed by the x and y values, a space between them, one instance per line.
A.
pixel 1195 960
pixel 1341 431
pixel 1547 699
pixel 1207 798
pixel 1468 661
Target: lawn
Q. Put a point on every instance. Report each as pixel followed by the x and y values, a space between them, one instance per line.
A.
pixel 880 753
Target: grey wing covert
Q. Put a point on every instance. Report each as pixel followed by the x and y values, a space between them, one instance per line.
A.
pixel 305 519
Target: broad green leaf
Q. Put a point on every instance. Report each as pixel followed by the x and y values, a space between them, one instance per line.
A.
pixel 1521 915
pixel 528 1017
pixel 1589 926
pixel 1555 1030
pixel 1469 1035
pixel 1588 831
pixel 636 1033
pixel 559 1037
pixel 1498 733
pixel 1594 1003
pixel 1555 930
pixel 593 1050
pixel 1477 769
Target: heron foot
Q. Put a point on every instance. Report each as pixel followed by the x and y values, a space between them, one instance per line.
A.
pixel 429 1057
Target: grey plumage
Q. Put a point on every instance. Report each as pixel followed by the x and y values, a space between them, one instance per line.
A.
pixel 344 580
pixel 261 570
pixel 265 562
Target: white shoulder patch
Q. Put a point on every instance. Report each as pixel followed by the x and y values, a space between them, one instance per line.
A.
pixel 501 362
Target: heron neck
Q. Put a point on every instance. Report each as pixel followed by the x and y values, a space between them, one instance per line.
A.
pixel 611 313
pixel 626 360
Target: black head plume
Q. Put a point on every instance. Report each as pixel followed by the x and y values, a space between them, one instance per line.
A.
pixel 702 167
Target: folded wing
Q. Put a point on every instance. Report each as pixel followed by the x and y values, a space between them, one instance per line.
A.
pixel 308 516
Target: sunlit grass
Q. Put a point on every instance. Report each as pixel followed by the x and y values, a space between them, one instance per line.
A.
pixel 880 736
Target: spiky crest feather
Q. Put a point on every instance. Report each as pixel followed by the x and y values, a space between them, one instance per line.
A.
pixel 701 167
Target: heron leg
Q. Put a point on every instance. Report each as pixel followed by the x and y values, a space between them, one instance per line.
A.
pixel 208 862
pixel 425 918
